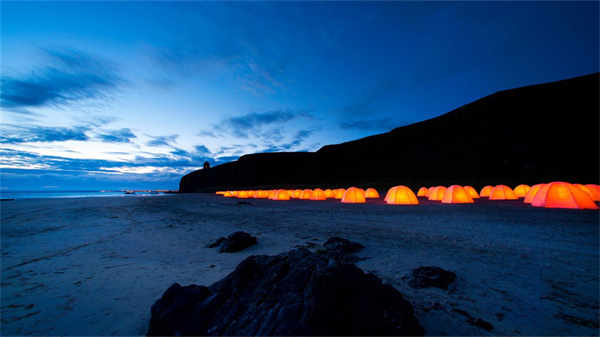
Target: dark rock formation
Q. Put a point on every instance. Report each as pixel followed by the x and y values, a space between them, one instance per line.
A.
pixel 425 277
pixel 341 245
pixel 295 293
pixel 234 242
pixel 506 138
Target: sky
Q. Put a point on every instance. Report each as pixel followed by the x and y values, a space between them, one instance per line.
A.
pixel 116 95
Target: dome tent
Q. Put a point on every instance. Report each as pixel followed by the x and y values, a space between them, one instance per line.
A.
pixel 318 194
pixel 328 193
pixel 502 192
pixel 531 193
pixel 339 193
pixel 456 194
pixel 485 191
pixel 590 189
pixel 306 194
pixel 521 190
pixel 401 195
pixel 371 193
pixel 280 195
pixel 423 192
pixel 354 195
pixel 560 194
pixel 437 193
pixel 471 191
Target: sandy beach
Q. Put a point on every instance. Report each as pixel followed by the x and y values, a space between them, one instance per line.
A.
pixel 94 266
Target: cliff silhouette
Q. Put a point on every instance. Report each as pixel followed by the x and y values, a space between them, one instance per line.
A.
pixel 532 134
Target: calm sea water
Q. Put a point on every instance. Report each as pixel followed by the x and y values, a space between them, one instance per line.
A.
pixel 70 194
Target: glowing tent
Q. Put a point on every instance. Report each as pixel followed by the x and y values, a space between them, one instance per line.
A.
pixel 590 189
pixel 371 193
pixel 531 193
pixel 296 194
pixel 423 192
pixel 228 194
pixel 437 193
pixel 261 194
pixel 471 191
pixel 401 195
pixel 562 195
pixel 429 190
pixel 306 194
pixel 339 193
pixel 485 192
pixel 243 195
pixel 220 192
pixel 328 193
pixel 280 195
pixel 456 194
pixel 318 194
pixel 502 192
pixel 521 190
pixel 353 195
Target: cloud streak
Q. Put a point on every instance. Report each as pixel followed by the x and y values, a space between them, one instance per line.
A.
pixel 14 134
pixel 71 76
pixel 117 136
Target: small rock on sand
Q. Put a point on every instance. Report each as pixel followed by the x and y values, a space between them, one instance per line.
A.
pixel 426 277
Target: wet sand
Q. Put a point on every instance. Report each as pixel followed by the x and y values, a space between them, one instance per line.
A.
pixel 94 266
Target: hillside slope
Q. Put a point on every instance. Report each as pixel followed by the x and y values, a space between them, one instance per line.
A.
pixel 531 134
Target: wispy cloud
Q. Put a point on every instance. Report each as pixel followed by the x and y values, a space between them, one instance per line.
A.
pixel 260 124
pixel 117 136
pixel 14 134
pixel 162 140
pixel 70 76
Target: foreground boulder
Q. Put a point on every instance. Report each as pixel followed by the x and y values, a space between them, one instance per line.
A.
pixel 294 293
pixel 426 277
pixel 234 242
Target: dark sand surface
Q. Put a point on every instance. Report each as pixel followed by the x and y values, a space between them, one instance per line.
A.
pixel 94 266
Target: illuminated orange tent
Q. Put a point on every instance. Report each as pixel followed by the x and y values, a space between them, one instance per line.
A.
pixel 429 190
pixel 559 194
pixel 531 193
pixel 502 192
pixel 339 193
pixel 471 191
pixel 437 193
pixel 296 194
pixel 318 194
pixel 521 190
pixel 328 193
pixel 456 194
pixel 220 192
pixel 354 195
pixel 261 194
pixel 485 192
pixel 228 194
pixel 243 194
pixel 591 190
pixel 306 194
pixel 593 187
pixel 280 195
pixel 401 195
pixel 423 192
pixel 371 193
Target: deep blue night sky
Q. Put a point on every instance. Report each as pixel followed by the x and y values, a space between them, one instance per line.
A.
pixel 134 95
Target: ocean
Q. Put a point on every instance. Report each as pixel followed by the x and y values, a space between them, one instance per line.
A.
pixel 72 194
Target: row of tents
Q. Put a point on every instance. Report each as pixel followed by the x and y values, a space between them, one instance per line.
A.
pixel 550 195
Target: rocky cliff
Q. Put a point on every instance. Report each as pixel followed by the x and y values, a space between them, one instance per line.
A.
pixel 527 135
